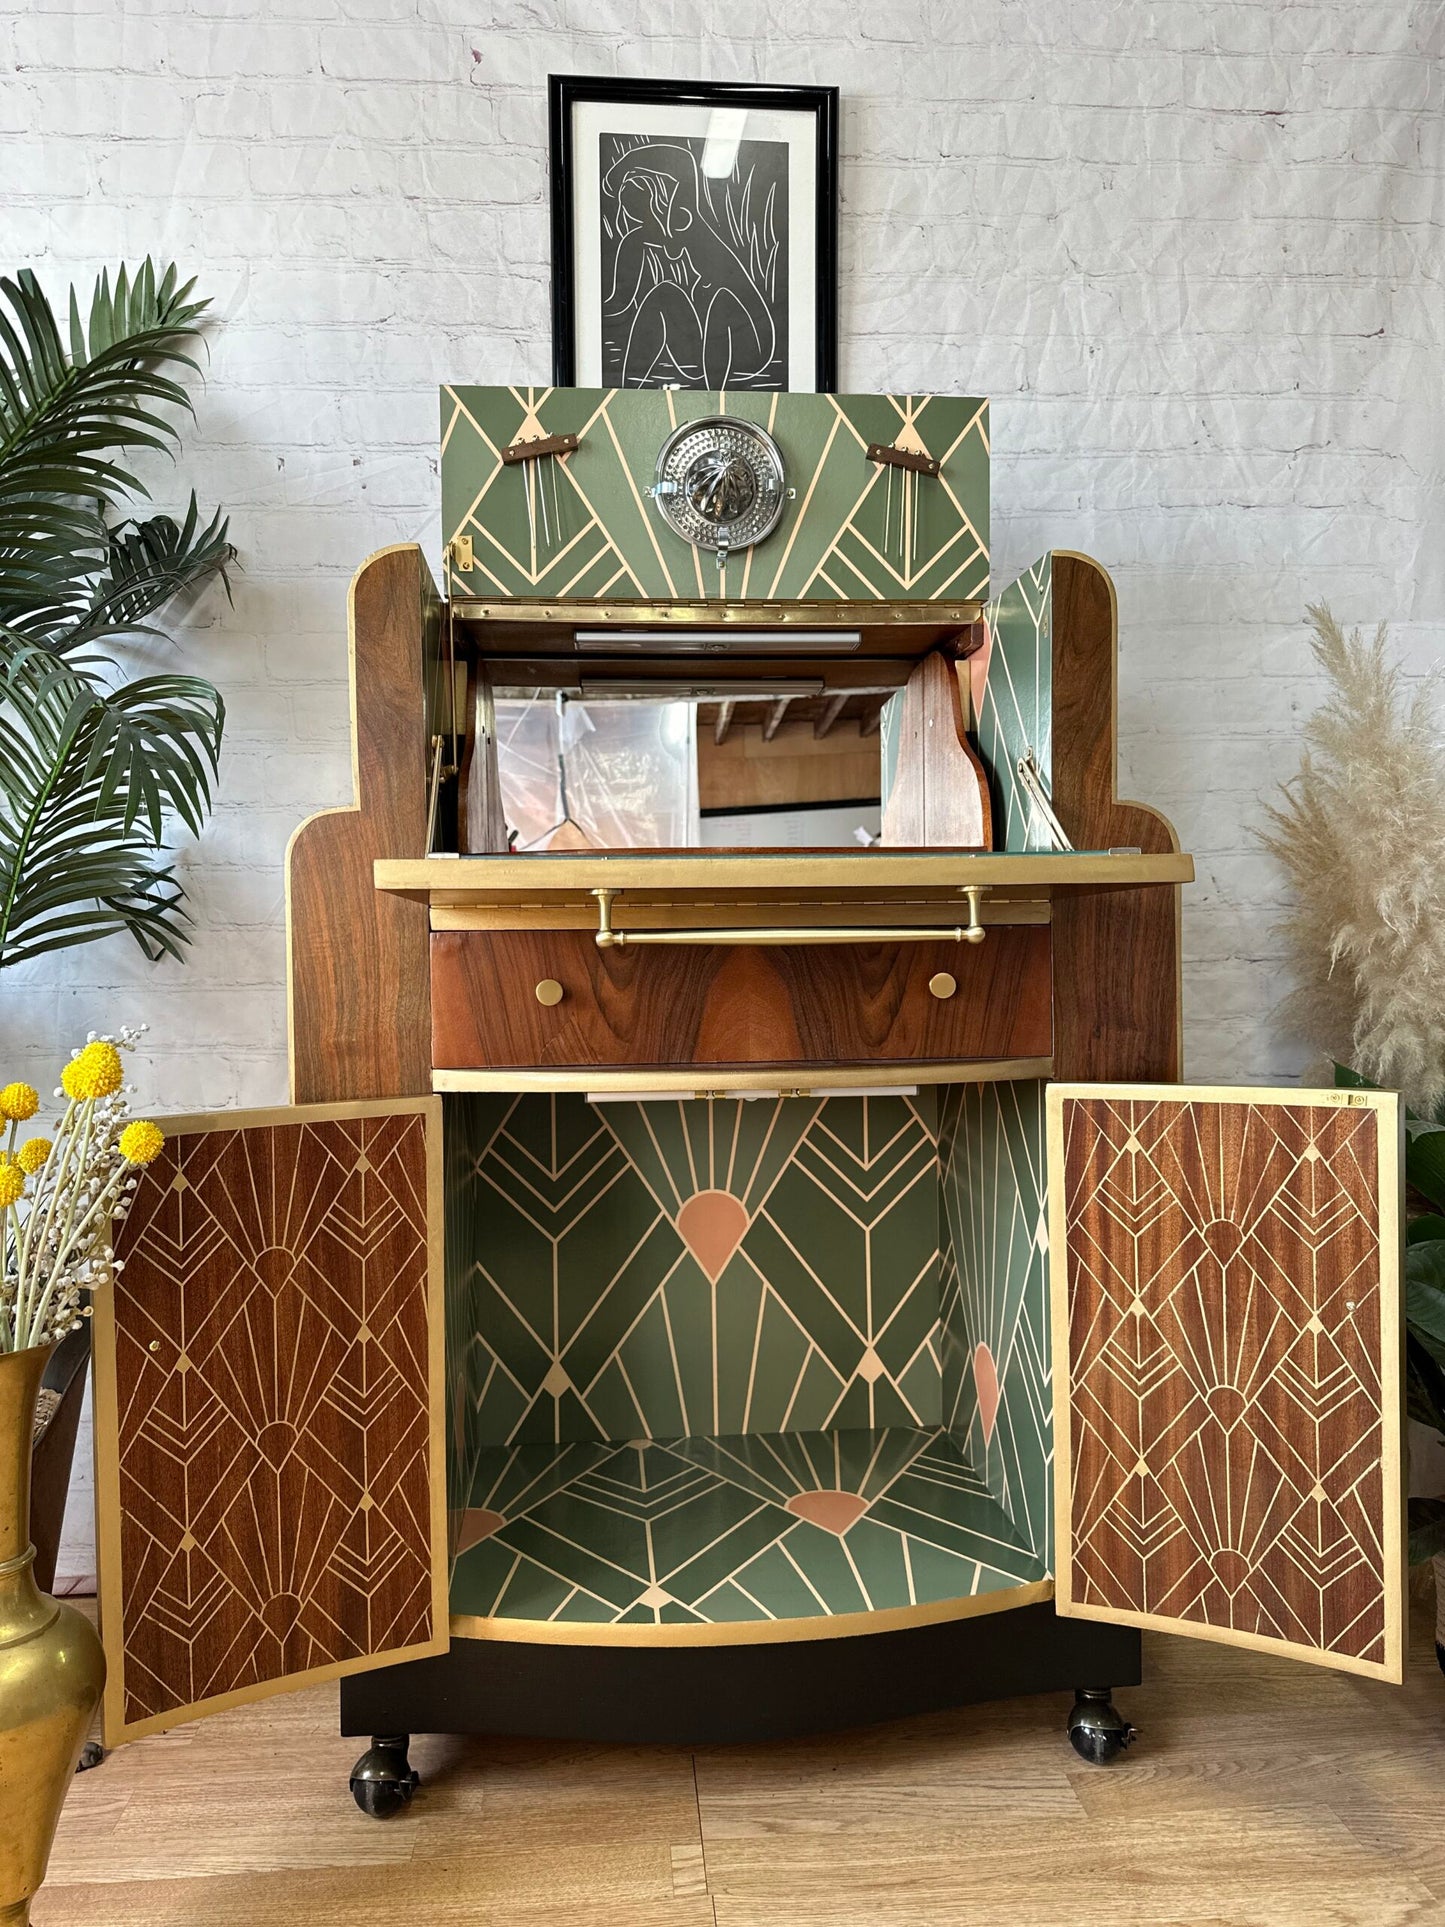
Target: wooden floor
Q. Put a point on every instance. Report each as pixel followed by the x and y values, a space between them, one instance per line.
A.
pixel 1260 1793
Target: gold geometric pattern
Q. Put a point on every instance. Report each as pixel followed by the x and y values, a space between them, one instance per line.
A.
pixel 1011 683
pixel 1226 1366
pixel 730 1532
pixel 266 1405
pixel 716 1266
pixel 582 526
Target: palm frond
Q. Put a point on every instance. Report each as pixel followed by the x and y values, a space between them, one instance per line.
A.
pixel 69 419
pixel 91 777
pixel 148 564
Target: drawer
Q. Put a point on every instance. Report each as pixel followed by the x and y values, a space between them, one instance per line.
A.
pixel 733 1005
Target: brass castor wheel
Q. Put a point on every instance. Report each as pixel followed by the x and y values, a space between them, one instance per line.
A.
pixel 1098 1731
pixel 382 1781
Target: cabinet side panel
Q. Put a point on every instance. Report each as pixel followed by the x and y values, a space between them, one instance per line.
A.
pixel 1116 952
pixel 994 1326
pixel 358 991
pixel 1226 1338
pixel 268 1413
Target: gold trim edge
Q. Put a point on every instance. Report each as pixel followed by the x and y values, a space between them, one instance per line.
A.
pixel 752 1632
pixel 704 1081
pixel 730 614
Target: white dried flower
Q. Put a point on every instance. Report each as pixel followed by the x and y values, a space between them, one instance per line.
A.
pixel 1361 836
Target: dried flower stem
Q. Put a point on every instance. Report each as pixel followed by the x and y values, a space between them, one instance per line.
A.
pixel 1360 834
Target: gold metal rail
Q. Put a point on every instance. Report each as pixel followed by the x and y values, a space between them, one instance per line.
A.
pixel 971 932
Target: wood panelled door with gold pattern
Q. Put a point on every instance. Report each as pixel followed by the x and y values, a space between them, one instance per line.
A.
pixel 1225 1286
pixel 269 1410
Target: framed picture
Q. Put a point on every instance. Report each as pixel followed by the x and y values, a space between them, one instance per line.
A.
pixel 694 234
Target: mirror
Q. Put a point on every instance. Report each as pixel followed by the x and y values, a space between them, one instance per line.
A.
pixel 757 772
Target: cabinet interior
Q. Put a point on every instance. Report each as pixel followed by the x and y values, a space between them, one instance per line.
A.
pixel 691 1342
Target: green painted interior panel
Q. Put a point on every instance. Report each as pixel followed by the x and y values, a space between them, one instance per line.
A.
pixel 707 1266
pixel 669 1320
pixel 692 1531
pixel 994 1308
pixel 1012 691
pixel 583 526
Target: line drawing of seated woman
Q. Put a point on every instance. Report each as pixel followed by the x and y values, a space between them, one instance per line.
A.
pixel 688 299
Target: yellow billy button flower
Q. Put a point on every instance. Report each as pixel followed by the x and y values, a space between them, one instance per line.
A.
pixel 19 1101
pixel 96 1072
pixel 141 1141
pixel 12 1184
pixel 31 1156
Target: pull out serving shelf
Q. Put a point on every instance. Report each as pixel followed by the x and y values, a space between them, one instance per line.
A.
pixel 728 972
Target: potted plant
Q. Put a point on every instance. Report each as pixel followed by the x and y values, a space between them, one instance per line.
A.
pixel 60 1196
pixel 1360 833
pixel 95 768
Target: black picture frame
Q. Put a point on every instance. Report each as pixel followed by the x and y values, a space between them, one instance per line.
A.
pixel 565 92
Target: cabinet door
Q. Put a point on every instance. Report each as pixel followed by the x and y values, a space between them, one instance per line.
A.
pixel 268 1410
pixel 1225 1280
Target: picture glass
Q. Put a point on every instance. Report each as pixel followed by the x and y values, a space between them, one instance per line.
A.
pixel 694 246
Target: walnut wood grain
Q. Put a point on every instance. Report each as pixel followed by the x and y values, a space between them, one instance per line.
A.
pixel 266 1410
pixel 940 793
pixel 1116 952
pixel 1229 1377
pixel 357 964
pixel 725 1005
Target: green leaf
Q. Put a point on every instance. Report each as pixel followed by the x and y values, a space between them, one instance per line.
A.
pixel 1347 1079
pixel 1351 1080
pixel 91 777
pixel 1427 1529
pixel 1425 1293
pixel 70 416
pixel 1424 1384
pixel 149 563
pixel 1424 1229
pixel 1425 1159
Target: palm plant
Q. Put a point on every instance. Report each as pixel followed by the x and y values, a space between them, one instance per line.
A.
pixel 94 770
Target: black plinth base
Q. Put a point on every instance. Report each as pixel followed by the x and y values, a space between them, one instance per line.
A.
pixel 714 1695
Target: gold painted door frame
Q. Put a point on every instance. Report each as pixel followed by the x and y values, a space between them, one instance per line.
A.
pixel 1227 1364
pixel 269 1410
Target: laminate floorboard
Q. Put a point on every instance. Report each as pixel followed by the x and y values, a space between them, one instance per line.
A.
pixel 1261 1794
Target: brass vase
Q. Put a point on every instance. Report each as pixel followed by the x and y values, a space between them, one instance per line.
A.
pixel 52 1668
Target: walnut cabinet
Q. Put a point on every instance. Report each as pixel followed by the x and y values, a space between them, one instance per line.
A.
pixel 829 1302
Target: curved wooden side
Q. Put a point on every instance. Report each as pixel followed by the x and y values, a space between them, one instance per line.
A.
pixel 358 997
pixel 1117 1008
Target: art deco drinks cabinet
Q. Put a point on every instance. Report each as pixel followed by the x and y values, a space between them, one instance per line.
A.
pixel 711 1288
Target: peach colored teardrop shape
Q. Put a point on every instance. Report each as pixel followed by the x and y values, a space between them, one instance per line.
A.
pixel 985 1378
pixel 711 1224
pixel 477 1523
pixel 834 1511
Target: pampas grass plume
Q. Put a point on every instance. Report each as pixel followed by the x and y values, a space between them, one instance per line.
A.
pixel 1360 833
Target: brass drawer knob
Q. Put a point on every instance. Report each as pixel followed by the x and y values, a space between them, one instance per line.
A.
pixel 549 992
pixel 943 985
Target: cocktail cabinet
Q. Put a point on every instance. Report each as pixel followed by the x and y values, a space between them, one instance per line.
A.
pixel 708 1286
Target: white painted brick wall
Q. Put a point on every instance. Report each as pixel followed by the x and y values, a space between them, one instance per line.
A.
pixel 1193 250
